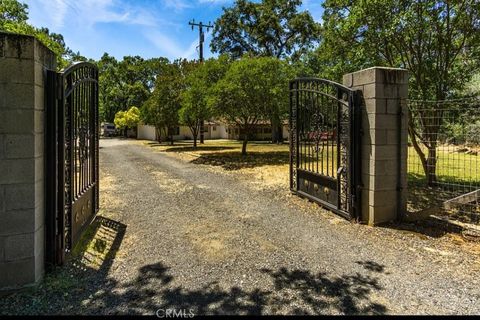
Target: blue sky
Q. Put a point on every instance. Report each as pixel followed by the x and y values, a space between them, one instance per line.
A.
pixel 149 28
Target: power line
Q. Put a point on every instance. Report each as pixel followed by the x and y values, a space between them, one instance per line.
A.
pixel 200 26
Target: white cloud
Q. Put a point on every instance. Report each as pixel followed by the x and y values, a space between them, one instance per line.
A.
pixel 215 1
pixel 87 13
pixel 177 5
pixel 59 12
pixel 170 47
pixel 89 26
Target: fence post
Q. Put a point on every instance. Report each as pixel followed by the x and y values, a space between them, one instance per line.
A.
pixel 23 64
pixel 384 124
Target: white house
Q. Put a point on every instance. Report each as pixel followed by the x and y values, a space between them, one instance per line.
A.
pixel 212 130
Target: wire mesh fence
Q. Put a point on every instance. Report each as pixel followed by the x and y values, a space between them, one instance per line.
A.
pixel 444 157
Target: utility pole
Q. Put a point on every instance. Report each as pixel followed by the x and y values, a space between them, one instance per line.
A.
pixel 200 26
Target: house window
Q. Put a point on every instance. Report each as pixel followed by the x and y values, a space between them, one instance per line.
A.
pixel 214 128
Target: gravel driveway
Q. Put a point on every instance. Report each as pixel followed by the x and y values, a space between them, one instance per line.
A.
pixel 187 237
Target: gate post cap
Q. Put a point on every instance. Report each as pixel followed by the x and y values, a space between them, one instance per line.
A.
pixel 385 75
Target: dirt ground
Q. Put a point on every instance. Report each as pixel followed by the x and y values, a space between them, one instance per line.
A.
pixel 176 232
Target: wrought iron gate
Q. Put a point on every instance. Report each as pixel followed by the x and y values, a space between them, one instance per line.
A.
pixel 324 144
pixel 72 134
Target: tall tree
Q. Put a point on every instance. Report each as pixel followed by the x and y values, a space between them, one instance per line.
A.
pixel 161 109
pixel 125 83
pixel 437 41
pixel 194 97
pixel 110 79
pixel 251 90
pixel 274 28
pixel 269 28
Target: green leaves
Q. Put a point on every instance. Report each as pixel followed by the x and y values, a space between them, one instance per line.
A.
pixel 253 89
pixel 194 97
pixel 437 41
pixel 12 11
pixel 127 119
pixel 13 18
pixel 267 28
pixel 126 83
pixel 161 109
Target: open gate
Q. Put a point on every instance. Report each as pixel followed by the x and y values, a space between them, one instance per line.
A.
pixel 324 144
pixel 72 134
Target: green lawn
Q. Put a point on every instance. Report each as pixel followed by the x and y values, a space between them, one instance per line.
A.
pixel 452 167
pixel 269 164
pixel 259 153
pixel 457 174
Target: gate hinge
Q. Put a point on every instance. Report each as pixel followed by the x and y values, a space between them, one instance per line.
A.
pixel 59 86
pixel 353 201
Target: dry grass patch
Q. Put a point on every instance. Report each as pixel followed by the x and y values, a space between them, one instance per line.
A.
pixel 266 165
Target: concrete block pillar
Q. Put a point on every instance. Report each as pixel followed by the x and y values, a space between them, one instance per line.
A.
pixel 23 64
pixel 384 141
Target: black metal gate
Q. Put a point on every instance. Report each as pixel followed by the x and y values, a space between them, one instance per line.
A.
pixel 324 144
pixel 72 134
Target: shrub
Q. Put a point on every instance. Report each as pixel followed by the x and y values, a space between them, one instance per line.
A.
pixel 473 133
pixel 453 133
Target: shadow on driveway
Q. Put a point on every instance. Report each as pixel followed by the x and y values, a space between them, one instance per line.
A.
pixel 84 286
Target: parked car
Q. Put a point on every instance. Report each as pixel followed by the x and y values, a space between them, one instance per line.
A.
pixel 108 130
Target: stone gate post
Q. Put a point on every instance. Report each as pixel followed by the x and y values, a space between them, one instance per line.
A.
pixel 23 64
pixel 384 141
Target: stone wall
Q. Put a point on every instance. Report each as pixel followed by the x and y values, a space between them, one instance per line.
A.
pixel 23 64
pixel 384 141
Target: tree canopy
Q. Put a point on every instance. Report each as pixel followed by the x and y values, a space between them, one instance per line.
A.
pixel 162 108
pixel 267 28
pixel 125 83
pixel 197 90
pixel 252 89
pixel 437 41
pixel 13 18
pixel 127 119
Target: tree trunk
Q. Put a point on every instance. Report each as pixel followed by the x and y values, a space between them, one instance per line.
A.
pixel 274 133
pixel 431 166
pixel 429 161
pixel 194 131
pixel 274 125
pixel 245 140
pixel 244 145
pixel 125 132
pixel 159 135
pixel 202 138
pixel 170 134
pixel 280 134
